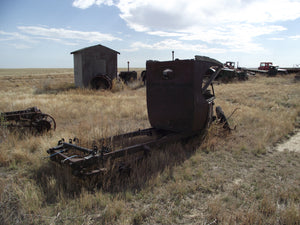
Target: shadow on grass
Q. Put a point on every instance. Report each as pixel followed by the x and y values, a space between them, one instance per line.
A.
pixel 57 182
pixel 131 174
pixel 54 89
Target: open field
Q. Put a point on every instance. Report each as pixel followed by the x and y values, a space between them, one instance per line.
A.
pixel 235 177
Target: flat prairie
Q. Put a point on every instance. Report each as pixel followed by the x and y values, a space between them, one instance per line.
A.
pixel 236 177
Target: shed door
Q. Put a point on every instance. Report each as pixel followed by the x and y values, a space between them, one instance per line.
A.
pixel 100 66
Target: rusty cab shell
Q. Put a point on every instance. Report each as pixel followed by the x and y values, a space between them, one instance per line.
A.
pixel 175 97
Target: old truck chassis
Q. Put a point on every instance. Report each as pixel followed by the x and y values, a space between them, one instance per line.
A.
pixel 113 150
pixel 85 161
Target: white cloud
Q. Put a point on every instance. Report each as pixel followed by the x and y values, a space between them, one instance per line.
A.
pixel 170 44
pixel 166 34
pixel 9 36
pixel 179 13
pixel 234 24
pixel 276 39
pixel 84 4
pixel 20 46
pixel 182 13
pixel 295 37
pixel 65 34
pixel 32 34
pixel 61 41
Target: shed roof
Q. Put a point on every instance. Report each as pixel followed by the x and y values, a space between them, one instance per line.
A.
pixel 83 49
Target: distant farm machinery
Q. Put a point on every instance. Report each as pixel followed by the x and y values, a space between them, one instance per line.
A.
pixel 230 73
pixel 31 118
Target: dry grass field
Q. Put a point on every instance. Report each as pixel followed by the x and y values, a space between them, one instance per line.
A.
pixel 235 177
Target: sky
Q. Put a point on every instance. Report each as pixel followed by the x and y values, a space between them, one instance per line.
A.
pixel 42 33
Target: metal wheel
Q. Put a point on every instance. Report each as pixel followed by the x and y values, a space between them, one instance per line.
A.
pixel 101 82
pixel 44 123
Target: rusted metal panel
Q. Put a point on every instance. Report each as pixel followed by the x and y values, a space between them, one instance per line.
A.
pixel 84 161
pixel 174 94
pixel 127 76
pixel 31 118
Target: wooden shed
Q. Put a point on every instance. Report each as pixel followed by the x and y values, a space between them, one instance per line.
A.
pixel 95 67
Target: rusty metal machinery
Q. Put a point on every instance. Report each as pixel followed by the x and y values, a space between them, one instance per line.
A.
pixel 180 105
pixel 90 161
pixel 127 76
pixel 101 82
pixel 31 118
pixel 177 94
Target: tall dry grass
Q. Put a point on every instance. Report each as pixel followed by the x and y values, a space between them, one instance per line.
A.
pixel 227 178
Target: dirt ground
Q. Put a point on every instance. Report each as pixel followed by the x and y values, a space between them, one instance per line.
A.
pixel 292 144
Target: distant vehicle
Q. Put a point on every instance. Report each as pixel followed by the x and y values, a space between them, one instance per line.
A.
pixel 265 65
pixel 271 69
pixel 230 65
pixel 230 73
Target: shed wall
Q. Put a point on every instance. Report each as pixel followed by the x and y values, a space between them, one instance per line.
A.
pixel 92 62
pixel 78 70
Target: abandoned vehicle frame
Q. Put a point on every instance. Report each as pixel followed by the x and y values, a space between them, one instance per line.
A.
pixel 179 104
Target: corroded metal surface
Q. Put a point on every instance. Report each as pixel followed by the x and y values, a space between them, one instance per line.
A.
pixel 85 161
pixel 175 98
pixel 31 118
pixel 127 76
pixel 180 105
